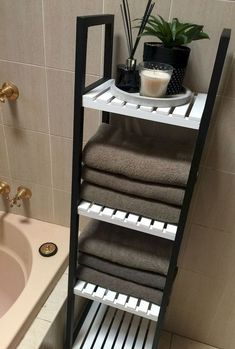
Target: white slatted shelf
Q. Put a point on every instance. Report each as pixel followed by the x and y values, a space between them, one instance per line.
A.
pixel 127 220
pixel 188 115
pixel 117 300
pixel 106 328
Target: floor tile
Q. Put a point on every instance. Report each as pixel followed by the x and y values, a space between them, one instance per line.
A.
pixel 184 343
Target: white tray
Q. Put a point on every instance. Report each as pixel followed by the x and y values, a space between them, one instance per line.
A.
pixel 164 102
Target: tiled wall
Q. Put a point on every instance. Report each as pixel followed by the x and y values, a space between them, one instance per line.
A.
pixel 37 45
pixel 37 53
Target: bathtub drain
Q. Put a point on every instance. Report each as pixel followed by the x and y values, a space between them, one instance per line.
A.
pixel 48 249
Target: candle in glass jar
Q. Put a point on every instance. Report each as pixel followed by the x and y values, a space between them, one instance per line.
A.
pixel 154 82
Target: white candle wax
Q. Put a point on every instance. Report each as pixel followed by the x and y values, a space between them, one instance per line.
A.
pixel 154 82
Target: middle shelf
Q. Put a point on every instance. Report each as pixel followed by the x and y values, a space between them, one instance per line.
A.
pixel 127 220
pixel 118 300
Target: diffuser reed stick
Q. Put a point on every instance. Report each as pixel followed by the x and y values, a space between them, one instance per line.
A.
pixel 125 11
pixel 144 21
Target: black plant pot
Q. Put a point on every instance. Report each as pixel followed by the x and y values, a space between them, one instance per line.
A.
pixel 176 56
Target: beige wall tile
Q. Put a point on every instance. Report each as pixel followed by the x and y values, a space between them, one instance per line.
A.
pixel 29 111
pixel 62 203
pixel 33 339
pixel 137 8
pixel 221 153
pixel 61 150
pixel 55 301
pixel 1 117
pixel 221 330
pixel 61 100
pixel 193 304
pixel 61 103
pixel 29 155
pixel 206 13
pixel 210 252
pixel 214 207
pixel 21 31
pixel 185 343
pixel 55 336
pixel 92 120
pixel 4 169
pixel 60 25
pixel 230 84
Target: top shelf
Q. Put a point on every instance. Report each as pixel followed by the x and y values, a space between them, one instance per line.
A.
pixel 187 115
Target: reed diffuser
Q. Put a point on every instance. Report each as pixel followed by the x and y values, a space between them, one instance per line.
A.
pixel 127 74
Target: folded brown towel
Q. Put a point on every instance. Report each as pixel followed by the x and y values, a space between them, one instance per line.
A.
pixel 119 285
pixel 159 192
pixel 145 207
pixel 126 247
pixel 143 158
pixel 141 277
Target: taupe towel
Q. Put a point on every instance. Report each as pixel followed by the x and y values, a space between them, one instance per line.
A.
pixel 159 192
pixel 143 158
pixel 126 247
pixel 119 285
pixel 145 207
pixel 141 277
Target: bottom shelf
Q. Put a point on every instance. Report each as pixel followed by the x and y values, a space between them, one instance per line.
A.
pixel 106 327
pixel 121 301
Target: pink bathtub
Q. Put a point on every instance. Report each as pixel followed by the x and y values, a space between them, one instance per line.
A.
pixel 26 278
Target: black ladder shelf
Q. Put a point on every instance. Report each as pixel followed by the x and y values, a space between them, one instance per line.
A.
pixel 112 320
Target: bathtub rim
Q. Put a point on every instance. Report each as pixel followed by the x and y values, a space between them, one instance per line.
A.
pixel 55 266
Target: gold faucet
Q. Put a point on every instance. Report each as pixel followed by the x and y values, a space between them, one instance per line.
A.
pixel 5 189
pixel 23 193
pixel 8 90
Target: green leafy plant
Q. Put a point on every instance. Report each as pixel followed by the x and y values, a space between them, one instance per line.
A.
pixel 173 33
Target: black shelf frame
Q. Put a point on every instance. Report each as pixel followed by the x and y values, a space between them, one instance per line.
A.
pixel 83 24
pixel 201 139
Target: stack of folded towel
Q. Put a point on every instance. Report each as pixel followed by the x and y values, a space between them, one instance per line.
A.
pixel 136 174
pixel 124 260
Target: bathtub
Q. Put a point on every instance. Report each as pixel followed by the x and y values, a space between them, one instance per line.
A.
pixel 26 277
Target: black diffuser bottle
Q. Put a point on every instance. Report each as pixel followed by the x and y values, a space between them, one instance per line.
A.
pixel 127 78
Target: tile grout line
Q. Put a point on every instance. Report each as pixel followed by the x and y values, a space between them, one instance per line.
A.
pixel 45 66
pixel 5 142
pixel 48 112
pixel 34 131
pixel 171 341
pixel 7 152
pixel 194 340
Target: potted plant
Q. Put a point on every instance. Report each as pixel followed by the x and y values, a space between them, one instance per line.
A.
pixel 171 50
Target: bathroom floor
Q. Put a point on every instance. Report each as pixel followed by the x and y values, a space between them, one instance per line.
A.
pixel 172 341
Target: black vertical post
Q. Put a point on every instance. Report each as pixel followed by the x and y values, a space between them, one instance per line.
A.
pixel 83 23
pixel 80 71
pixel 108 52
pixel 201 138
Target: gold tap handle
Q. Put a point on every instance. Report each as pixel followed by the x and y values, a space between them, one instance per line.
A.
pixel 4 188
pixel 23 193
pixel 8 90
